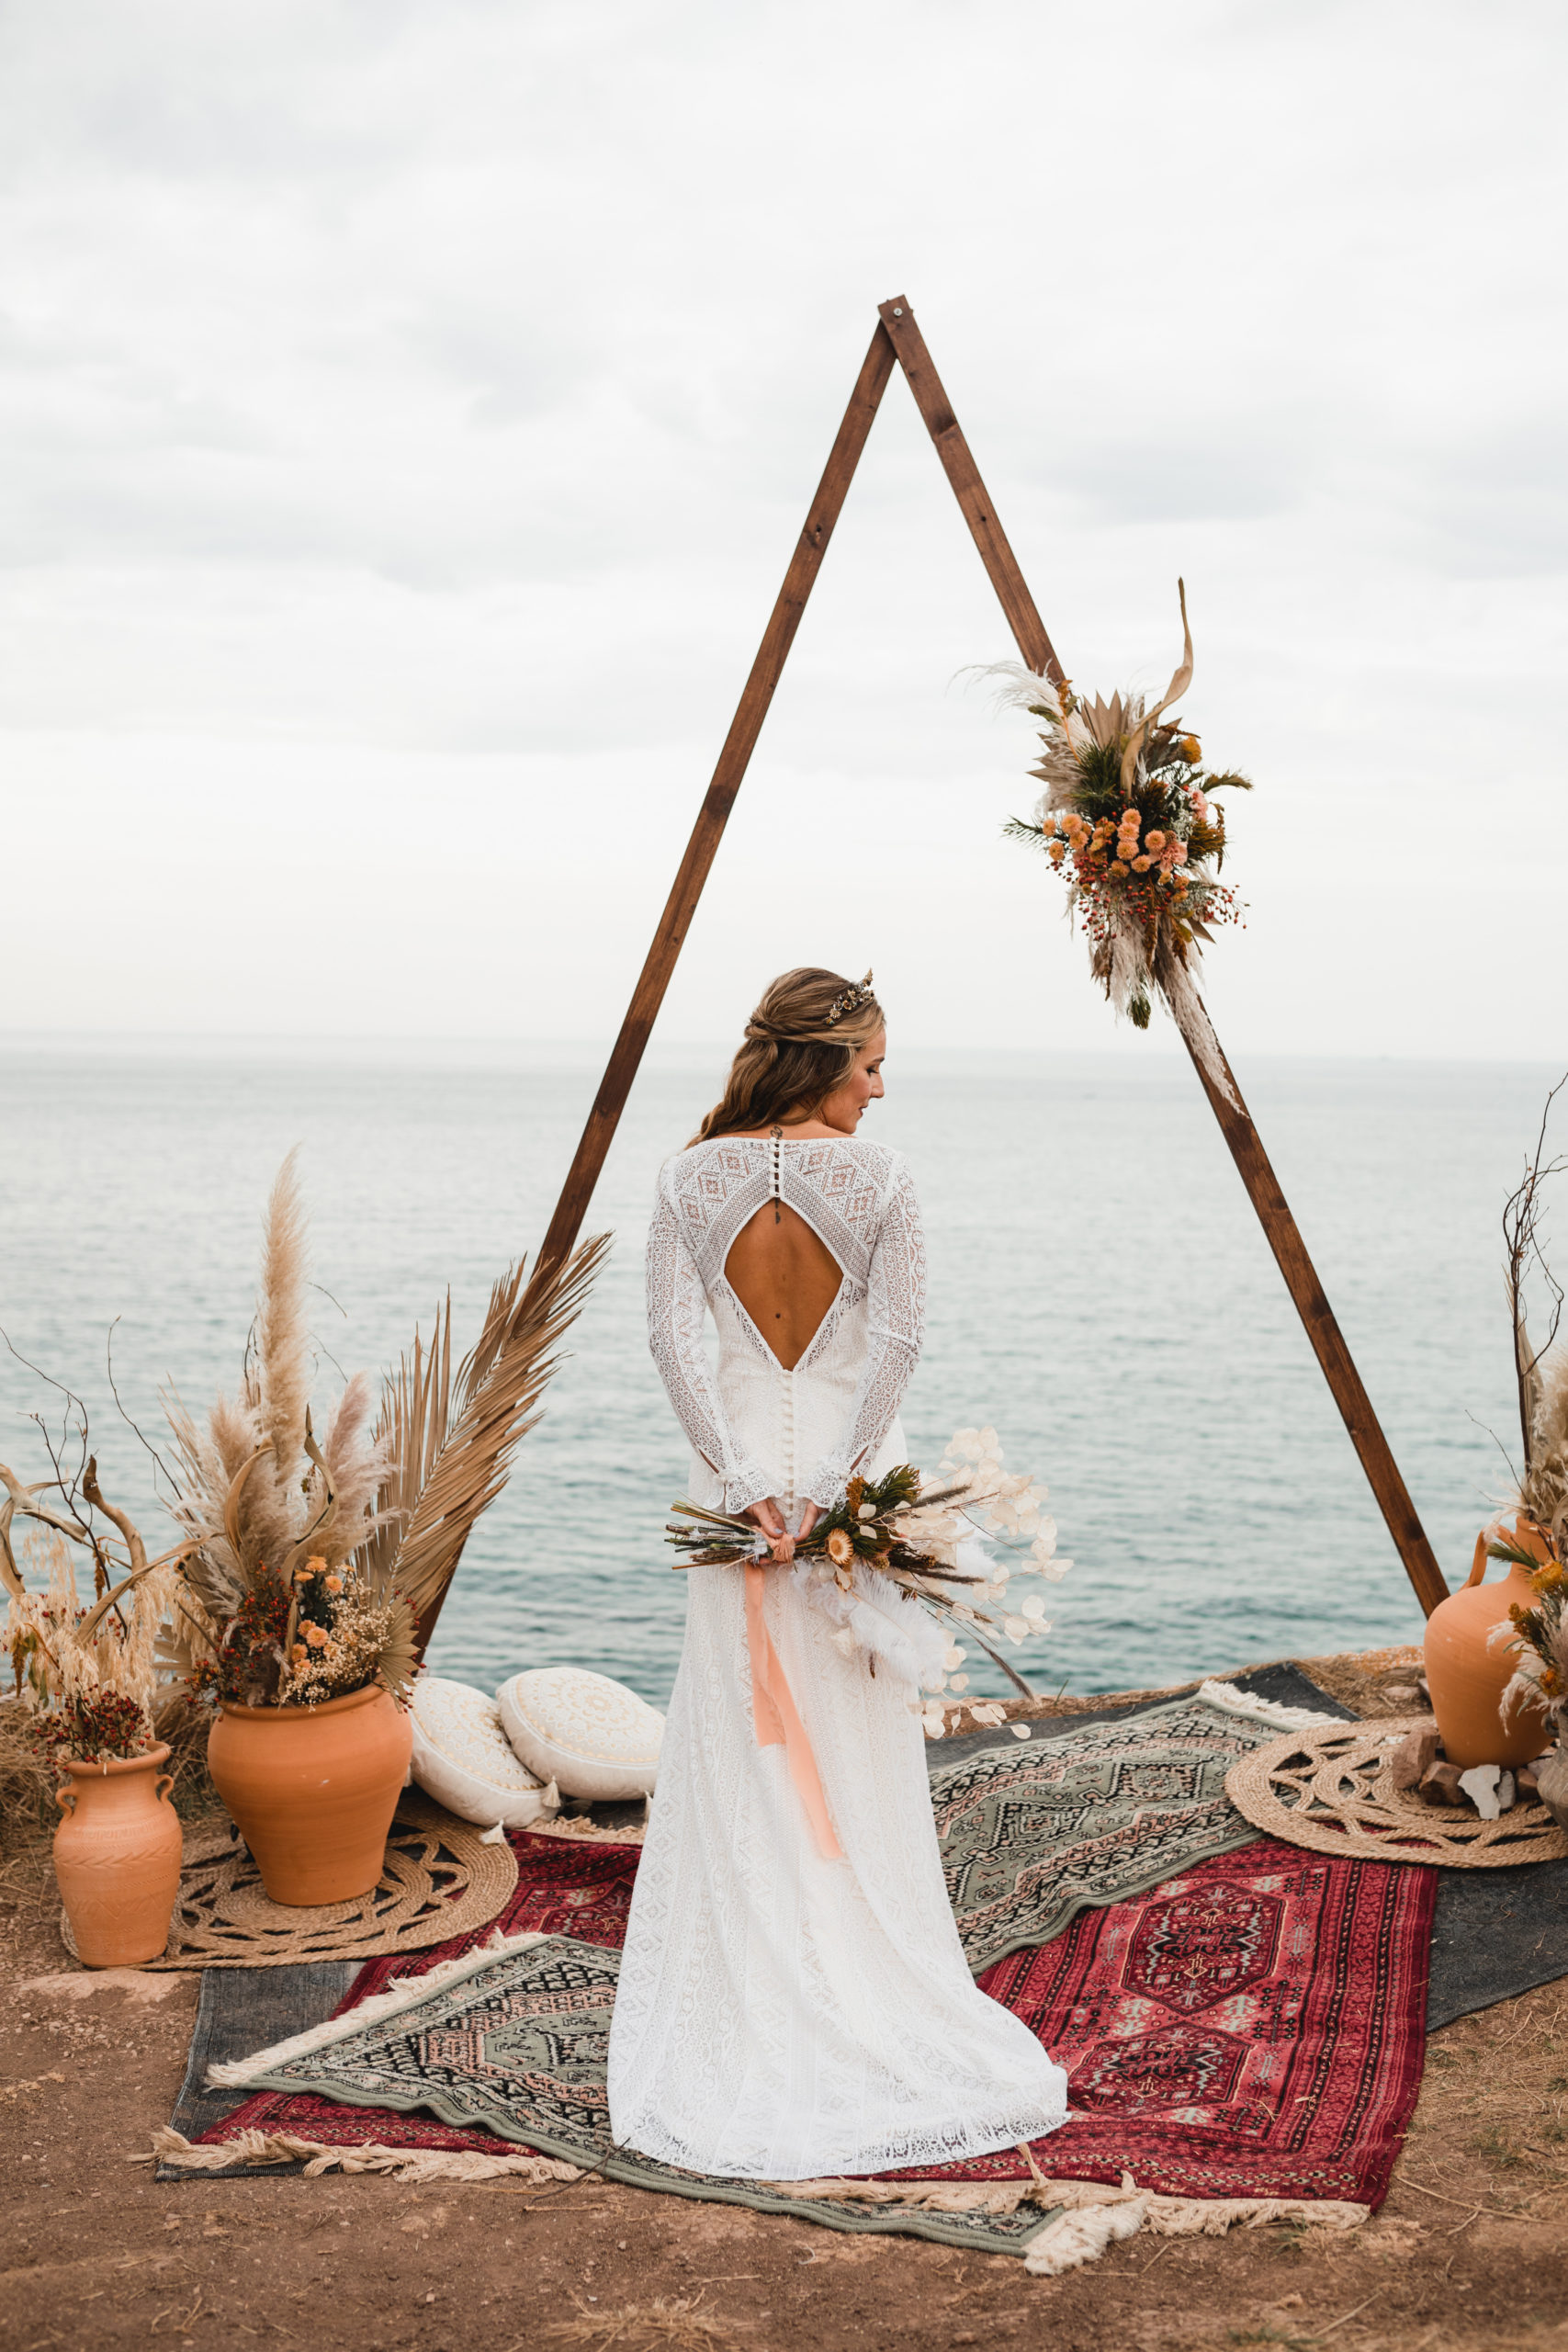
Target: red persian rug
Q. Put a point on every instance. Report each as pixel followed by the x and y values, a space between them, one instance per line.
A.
pixel 1255 2027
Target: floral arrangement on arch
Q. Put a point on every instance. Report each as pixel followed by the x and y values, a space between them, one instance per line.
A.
pixel 923 1538
pixel 1128 817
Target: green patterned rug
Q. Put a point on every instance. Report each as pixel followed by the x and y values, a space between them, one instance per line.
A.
pixel 1033 1833
pixel 515 2040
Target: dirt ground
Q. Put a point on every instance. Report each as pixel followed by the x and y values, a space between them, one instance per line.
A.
pixel 1470 2248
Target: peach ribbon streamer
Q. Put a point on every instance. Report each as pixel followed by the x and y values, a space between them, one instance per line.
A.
pixel 777 1721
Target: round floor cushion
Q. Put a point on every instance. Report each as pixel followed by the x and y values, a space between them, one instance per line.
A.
pixel 463 1759
pixel 592 1736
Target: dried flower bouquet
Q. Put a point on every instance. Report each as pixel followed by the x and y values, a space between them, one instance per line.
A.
pixel 921 1537
pixel 1127 816
pixel 89 1672
pixel 314 1569
pixel 277 1609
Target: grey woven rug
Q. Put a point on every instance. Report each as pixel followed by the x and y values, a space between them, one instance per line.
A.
pixel 1091 1811
pixel 516 2043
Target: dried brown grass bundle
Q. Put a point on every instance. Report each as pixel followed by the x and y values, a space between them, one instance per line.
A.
pixel 448 1440
pixel 27 1780
pixel 673 2320
pixel 183 1729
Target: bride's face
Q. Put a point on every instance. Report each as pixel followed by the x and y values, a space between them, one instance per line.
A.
pixel 843 1107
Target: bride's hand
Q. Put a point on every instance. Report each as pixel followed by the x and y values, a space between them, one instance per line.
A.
pixel 768 1517
pixel 809 1516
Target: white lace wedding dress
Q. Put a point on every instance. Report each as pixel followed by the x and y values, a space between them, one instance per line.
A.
pixel 782 2015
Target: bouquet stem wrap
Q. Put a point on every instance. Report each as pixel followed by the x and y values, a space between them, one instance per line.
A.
pixel 777 1718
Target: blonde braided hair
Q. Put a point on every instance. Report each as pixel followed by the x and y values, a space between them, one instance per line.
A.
pixel 800 1044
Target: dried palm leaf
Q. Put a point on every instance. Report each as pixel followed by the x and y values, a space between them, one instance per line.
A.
pixel 416 1403
pixel 452 1440
pixel 399 1649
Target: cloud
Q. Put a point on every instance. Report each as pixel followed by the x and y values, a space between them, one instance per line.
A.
pixel 395 393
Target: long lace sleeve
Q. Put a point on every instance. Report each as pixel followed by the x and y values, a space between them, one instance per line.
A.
pixel 896 1304
pixel 675 1306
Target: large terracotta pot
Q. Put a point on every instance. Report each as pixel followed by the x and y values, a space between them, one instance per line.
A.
pixel 117 1857
pixel 1466 1675
pixel 313 1790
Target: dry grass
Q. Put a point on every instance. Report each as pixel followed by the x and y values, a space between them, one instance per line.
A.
pixel 1494 2099
pixel 186 1729
pixel 1363 1679
pixel 674 2320
pixel 28 1780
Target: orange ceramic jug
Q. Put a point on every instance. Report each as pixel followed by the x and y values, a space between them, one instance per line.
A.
pixel 1466 1674
pixel 117 1858
pixel 313 1790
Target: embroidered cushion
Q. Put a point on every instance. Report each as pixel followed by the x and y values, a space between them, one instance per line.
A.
pixel 591 1737
pixel 463 1759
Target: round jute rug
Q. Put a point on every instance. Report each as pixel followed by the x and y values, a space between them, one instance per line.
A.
pixel 440 1879
pixel 1332 1789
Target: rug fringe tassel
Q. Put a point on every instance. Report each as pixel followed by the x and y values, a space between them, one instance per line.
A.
pixel 262 2148
pixel 1262 1710
pixel 923 2196
pixel 1096 2216
pixel 1074 2238
pixel 406 1992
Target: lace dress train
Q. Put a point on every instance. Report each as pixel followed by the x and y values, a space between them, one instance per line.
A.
pixel 782 2015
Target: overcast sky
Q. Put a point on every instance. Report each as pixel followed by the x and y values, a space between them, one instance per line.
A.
pixel 410 410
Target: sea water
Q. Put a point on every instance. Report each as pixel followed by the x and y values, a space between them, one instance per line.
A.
pixel 1100 1291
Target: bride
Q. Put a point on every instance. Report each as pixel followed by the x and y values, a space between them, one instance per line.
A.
pixel 794 1999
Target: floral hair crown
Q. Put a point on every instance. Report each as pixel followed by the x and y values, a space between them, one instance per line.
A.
pixel 850 1000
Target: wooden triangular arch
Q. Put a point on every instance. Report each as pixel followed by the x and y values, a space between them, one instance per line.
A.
pixel 899 341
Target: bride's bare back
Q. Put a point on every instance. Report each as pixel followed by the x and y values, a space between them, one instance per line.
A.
pixel 785 1278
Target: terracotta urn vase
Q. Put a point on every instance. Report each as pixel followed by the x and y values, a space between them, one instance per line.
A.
pixel 117 1857
pixel 1467 1675
pixel 313 1790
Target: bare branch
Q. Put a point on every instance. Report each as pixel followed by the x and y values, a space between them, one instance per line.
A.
pixel 96 1496
pixel 158 1462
